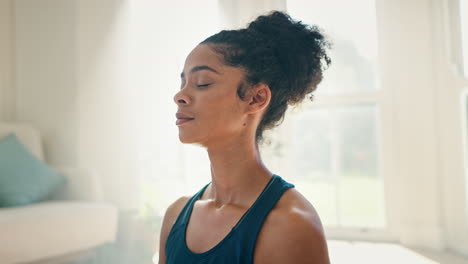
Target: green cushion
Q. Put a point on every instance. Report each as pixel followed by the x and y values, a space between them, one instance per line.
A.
pixel 24 179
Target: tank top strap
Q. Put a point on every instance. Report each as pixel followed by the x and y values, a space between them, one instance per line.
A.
pixel 249 227
pixel 184 215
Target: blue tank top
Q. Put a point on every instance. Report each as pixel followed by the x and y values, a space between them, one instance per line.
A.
pixel 239 245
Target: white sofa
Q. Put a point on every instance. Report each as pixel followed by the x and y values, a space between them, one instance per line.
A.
pixel 72 223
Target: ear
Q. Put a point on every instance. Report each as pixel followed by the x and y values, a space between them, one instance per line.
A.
pixel 259 98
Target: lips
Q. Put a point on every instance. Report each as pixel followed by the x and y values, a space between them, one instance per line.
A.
pixel 183 118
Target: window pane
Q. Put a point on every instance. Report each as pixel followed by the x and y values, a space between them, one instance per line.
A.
pixel 312 149
pixel 334 157
pixel 361 189
pixel 354 37
pixel 356 132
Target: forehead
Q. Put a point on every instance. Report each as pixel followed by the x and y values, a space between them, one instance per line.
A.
pixel 203 55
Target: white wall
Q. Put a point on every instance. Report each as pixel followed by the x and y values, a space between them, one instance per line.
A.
pixel 107 108
pixel 236 14
pixel 7 91
pixel 71 82
pixel 46 78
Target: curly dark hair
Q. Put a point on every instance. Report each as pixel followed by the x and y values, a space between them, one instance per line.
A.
pixel 276 50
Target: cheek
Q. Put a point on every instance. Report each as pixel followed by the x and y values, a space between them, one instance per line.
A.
pixel 219 115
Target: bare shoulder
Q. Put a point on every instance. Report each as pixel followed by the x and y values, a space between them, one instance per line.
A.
pixel 172 212
pixel 292 233
pixel 174 209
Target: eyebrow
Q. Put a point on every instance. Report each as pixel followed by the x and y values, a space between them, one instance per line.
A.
pixel 200 68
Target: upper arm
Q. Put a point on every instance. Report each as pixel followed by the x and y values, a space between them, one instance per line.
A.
pixel 169 218
pixel 297 237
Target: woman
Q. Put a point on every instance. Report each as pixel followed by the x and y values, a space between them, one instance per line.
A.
pixel 236 84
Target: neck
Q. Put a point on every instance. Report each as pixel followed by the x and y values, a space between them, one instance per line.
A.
pixel 237 171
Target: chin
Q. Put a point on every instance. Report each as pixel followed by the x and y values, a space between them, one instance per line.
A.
pixel 187 139
pixel 190 140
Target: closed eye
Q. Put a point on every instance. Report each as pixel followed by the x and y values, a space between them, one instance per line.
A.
pixel 204 85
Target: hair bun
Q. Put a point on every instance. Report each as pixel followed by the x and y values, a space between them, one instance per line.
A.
pixel 271 24
pixel 301 49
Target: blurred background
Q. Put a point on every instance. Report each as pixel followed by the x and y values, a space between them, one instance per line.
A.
pixel 380 152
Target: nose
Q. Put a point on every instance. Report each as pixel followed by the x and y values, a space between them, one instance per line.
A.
pixel 181 98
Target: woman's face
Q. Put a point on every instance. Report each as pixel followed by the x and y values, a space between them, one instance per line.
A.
pixel 209 109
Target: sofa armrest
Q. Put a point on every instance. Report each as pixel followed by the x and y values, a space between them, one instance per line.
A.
pixel 81 184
